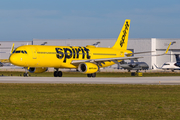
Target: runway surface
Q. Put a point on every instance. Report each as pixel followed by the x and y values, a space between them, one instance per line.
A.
pixel 97 80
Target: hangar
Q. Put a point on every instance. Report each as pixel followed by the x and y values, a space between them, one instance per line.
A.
pixel 158 46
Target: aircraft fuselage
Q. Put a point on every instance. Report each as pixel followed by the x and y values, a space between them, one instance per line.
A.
pixel 61 56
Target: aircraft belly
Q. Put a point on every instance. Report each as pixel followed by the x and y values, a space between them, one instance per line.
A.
pixel 68 66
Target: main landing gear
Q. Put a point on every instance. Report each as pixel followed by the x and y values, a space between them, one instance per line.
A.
pixel 91 75
pixel 57 73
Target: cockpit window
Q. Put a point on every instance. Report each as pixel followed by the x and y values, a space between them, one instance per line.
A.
pixel 20 51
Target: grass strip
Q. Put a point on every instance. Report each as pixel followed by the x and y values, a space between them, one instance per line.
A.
pixel 88 101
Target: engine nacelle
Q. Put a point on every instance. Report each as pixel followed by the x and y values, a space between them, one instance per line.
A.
pixel 88 68
pixel 37 70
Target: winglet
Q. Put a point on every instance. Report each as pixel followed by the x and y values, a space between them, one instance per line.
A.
pixel 168 48
pixel 171 43
pixel 12 48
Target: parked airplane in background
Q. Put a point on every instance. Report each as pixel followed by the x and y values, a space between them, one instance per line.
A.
pixel 171 65
pixel 177 60
pixel 168 66
pixel 88 60
pixel 134 66
pixel 1 64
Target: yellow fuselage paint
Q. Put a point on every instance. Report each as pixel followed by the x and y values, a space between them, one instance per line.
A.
pixel 62 56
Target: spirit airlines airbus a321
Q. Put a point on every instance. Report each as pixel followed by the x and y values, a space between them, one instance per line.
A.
pixel 88 60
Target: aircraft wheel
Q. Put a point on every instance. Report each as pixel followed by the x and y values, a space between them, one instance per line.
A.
pixel 55 73
pixel 93 74
pixel 59 73
pixel 25 74
pixel 89 75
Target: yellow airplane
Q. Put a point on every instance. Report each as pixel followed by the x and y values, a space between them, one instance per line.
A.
pixel 88 60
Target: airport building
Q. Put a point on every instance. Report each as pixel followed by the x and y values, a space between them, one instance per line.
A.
pixel 155 45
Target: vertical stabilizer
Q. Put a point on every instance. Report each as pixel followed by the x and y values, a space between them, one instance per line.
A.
pixel 177 58
pixel 122 40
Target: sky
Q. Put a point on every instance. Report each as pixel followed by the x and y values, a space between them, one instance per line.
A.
pixel 25 20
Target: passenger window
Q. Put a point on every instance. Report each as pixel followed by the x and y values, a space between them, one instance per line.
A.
pixel 22 52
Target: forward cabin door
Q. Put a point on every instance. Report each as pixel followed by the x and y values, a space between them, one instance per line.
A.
pixel 34 53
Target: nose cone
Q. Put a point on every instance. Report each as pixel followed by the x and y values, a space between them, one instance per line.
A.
pixel 13 59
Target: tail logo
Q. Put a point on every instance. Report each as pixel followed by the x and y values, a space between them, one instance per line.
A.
pixel 124 34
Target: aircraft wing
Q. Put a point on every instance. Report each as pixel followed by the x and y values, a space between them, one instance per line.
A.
pixel 115 60
pixel 105 59
pixel 129 54
pixel 171 43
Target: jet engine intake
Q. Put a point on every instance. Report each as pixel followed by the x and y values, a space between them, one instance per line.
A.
pixel 37 70
pixel 88 68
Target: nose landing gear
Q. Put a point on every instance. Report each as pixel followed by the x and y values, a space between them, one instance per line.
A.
pixel 26 73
